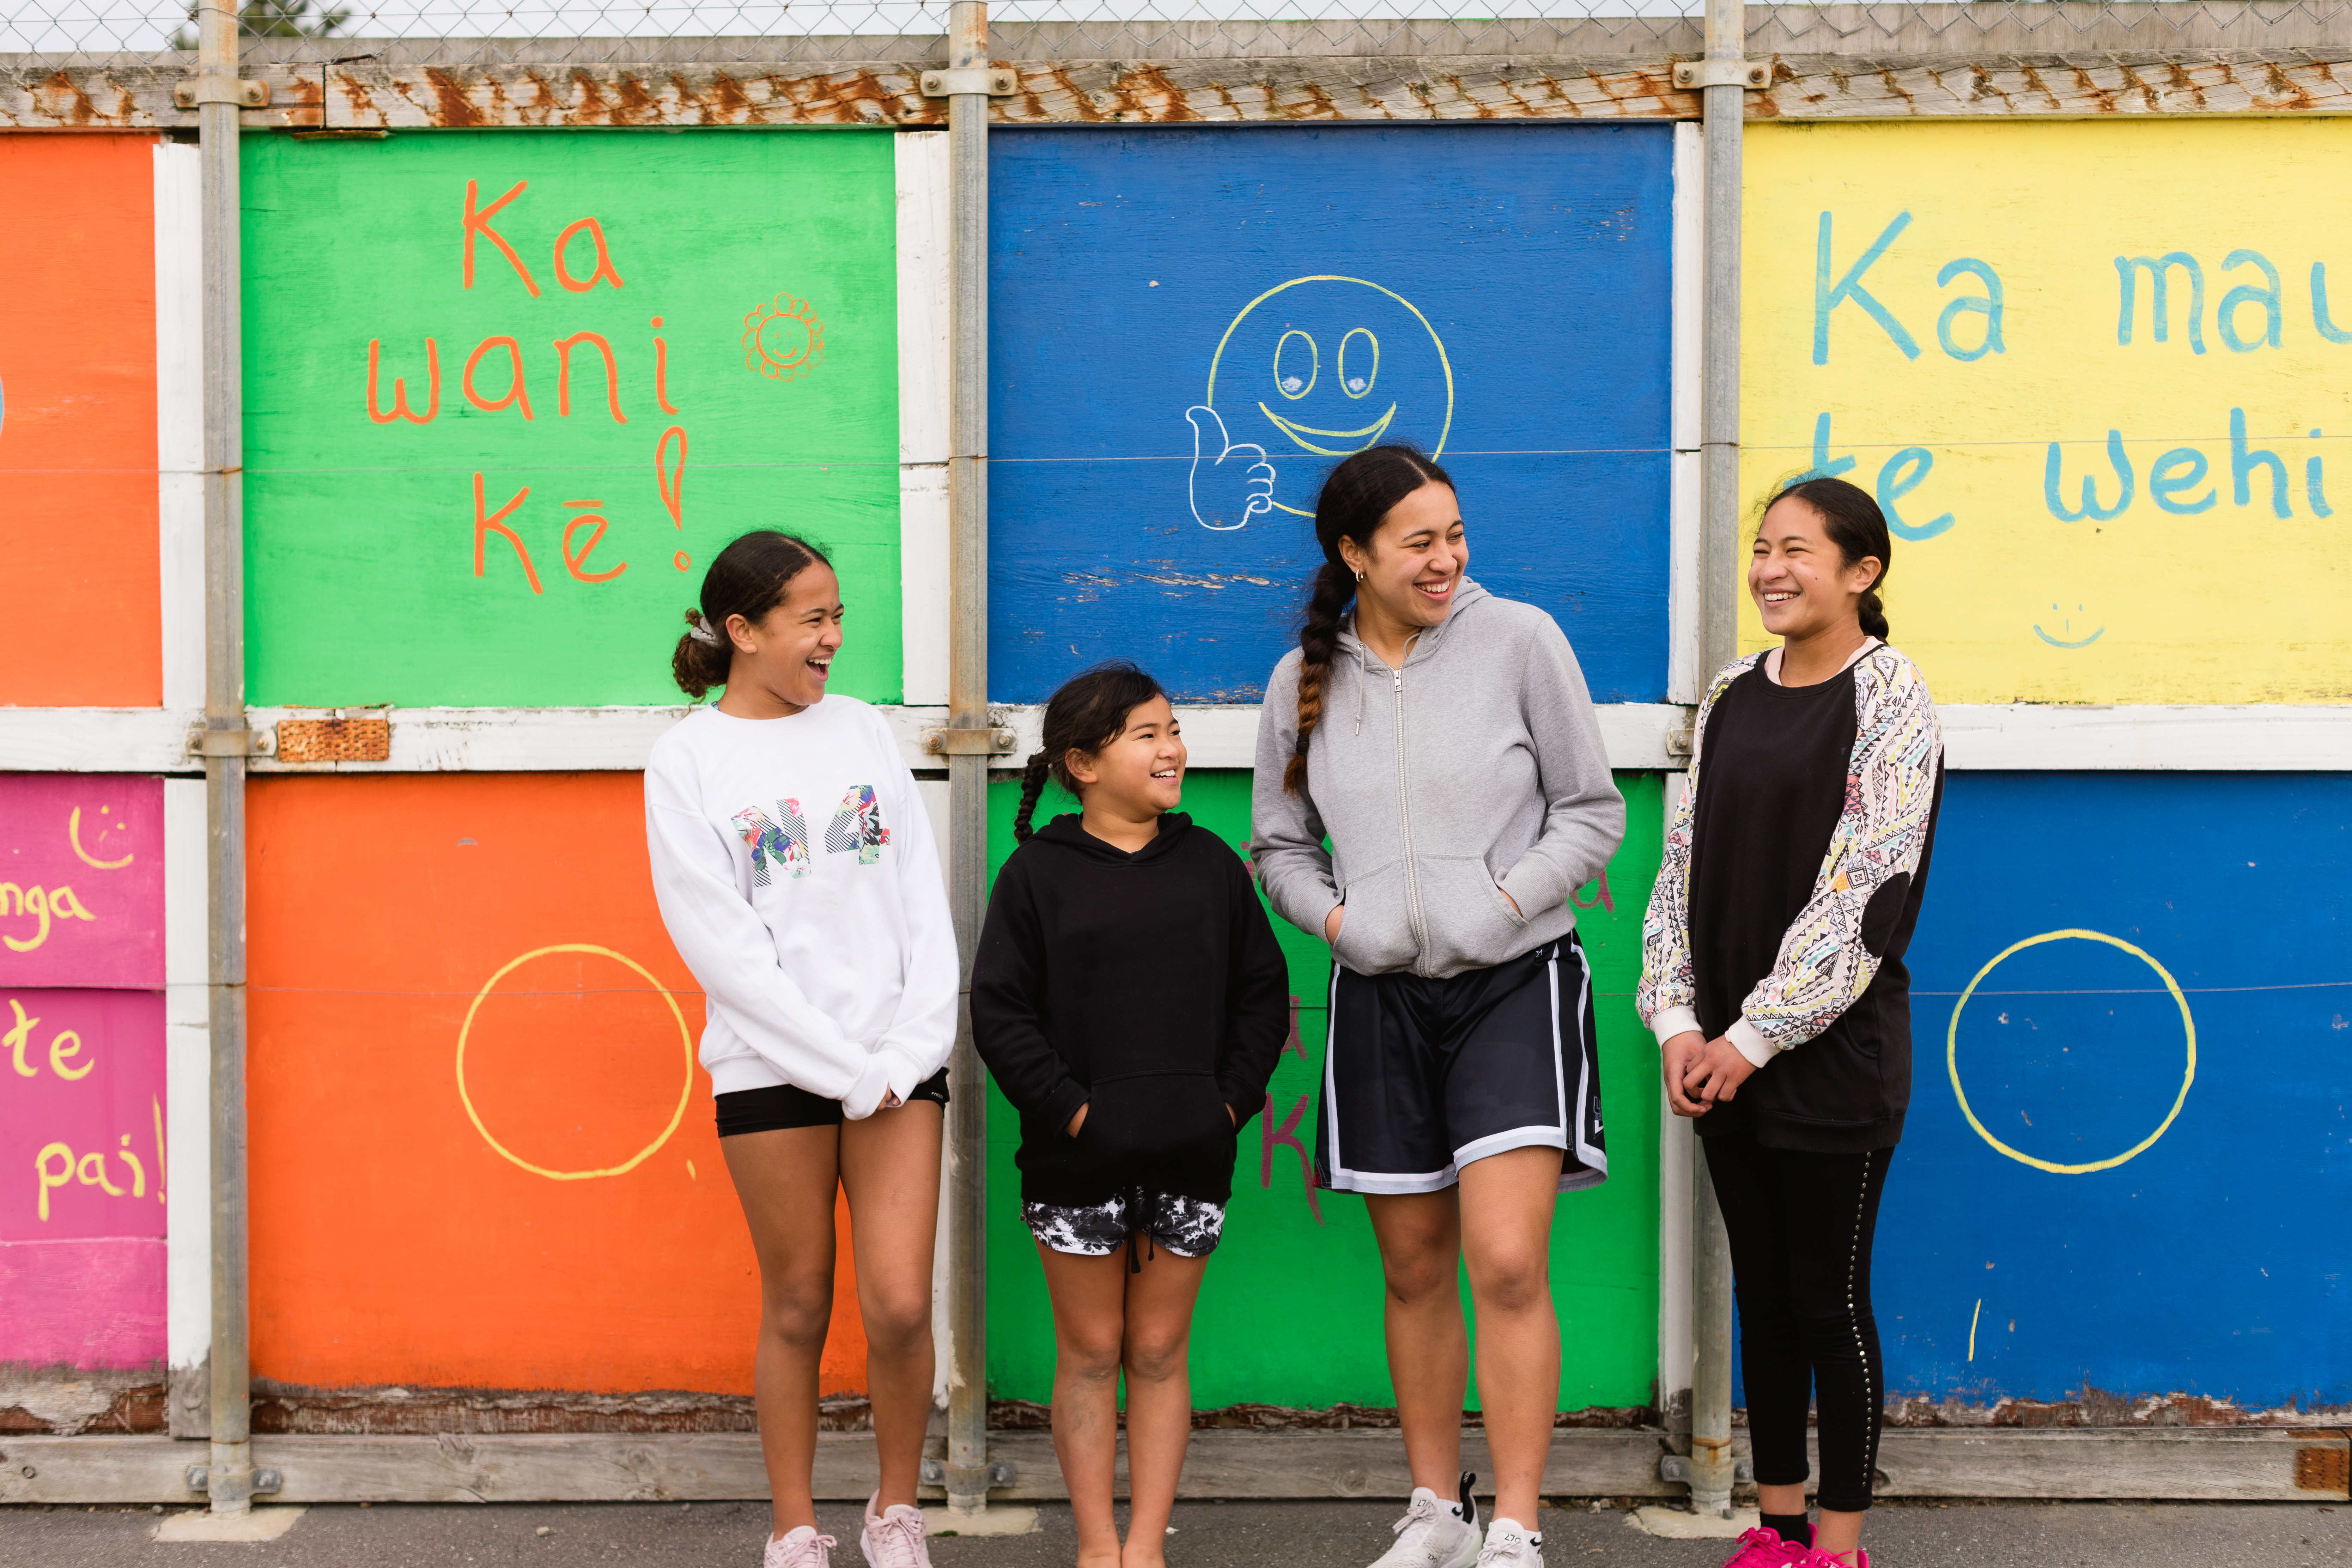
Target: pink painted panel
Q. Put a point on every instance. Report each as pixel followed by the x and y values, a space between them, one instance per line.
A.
pixel 82 1303
pixel 81 1176
pixel 82 879
pixel 81 1120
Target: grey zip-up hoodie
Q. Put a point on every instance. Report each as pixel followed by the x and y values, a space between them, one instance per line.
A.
pixel 1473 770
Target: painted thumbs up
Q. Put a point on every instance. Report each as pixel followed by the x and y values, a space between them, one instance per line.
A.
pixel 1226 491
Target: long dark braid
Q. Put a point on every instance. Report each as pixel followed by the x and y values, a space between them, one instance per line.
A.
pixel 1086 713
pixel 1362 491
pixel 1033 784
pixel 1318 643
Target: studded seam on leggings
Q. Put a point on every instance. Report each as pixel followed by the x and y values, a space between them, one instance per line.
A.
pixel 1872 1396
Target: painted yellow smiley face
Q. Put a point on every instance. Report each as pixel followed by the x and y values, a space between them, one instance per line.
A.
pixel 1323 367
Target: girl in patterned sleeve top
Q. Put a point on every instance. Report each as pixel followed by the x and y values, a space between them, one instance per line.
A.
pixel 1772 974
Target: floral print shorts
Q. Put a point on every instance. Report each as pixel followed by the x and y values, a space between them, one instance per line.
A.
pixel 1189 1227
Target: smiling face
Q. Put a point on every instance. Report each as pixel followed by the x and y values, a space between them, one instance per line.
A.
pixel 1140 774
pixel 1321 367
pixel 1802 587
pixel 1416 560
pixel 788 655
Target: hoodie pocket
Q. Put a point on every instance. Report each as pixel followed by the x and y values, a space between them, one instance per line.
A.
pixel 1376 935
pixel 1471 924
pixel 1138 1125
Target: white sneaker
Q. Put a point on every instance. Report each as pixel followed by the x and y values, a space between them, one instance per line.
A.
pixel 893 1538
pixel 1431 1535
pixel 1510 1546
pixel 799 1547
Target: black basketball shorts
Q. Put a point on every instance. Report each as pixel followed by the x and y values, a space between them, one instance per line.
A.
pixel 1423 1077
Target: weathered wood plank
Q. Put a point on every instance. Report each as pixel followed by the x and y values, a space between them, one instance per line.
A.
pixel 1964 84
pixel 2182 1464
pixel 2244 738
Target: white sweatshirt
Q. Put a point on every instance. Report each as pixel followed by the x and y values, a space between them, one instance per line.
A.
pixel 797 872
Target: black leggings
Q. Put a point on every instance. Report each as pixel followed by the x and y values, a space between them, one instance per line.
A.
pixel 1800 1227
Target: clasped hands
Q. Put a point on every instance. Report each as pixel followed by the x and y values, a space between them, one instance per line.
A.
pixel 1701 1073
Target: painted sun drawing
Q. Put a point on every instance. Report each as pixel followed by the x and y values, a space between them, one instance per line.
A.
pixel 784 338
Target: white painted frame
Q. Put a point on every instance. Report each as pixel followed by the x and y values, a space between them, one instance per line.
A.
pixel 158 740
pixel 1683 674
pixel 923 309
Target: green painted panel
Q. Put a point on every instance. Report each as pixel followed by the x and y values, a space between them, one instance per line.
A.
pixel 768 259
pixel 1290 1313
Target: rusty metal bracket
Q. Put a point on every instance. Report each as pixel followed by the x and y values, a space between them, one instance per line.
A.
pixel 1678 742
pixel 238 742
pixel 996 81
pixel 998 1473
pixel 198 90
pixel 996 741
pixel 259 1483
pixel 1753 75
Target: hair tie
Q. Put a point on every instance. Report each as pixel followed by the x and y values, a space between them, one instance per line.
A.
pixel 700 630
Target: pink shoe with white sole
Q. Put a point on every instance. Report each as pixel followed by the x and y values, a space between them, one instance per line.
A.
pixel 1762 1548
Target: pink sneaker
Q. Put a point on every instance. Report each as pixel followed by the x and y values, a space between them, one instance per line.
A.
pixel 1762 1548
pixel 1813 1557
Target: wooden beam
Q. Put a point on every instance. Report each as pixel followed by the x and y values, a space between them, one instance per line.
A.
pixel 2181 1464
pixel 1967 82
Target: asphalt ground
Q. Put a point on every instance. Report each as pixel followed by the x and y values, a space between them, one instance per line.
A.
pixel 1206 1535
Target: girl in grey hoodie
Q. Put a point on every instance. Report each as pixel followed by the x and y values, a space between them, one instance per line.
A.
pixel 1444 742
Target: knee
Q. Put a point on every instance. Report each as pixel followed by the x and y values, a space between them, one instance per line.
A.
pixel 895 1319
pixel 1414 1277
pixel 798 1311
pixel 1155 1356
pixel 1089 1354
pixel 1514 1282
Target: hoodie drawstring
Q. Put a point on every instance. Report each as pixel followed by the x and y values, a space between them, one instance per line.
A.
pixel 1137 1212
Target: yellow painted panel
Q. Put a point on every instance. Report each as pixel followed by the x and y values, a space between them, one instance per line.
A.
pixel 2227 575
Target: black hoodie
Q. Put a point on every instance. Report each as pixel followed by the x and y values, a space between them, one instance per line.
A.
pixel 1146 986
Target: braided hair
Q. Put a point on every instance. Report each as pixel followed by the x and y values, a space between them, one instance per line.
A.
pixel 1086 713
pixel 1362 491
pixel 1858 528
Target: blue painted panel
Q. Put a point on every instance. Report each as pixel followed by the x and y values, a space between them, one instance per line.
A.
pixel 1500 294
pixel 2219 1260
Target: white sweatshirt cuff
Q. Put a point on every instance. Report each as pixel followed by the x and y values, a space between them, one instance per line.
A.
pixel 1668 1021
pixel 1750 1042
pixel 873 1085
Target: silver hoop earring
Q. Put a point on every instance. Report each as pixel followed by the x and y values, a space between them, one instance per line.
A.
pixel 1359 577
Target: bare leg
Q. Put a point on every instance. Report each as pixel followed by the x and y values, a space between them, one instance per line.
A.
pixel 1089 1296
pixel 1159 1397
pixel 1506 1208
pixel 785 1180
pixel 1838 1533
pixel 891 1174
pixel 1428 1353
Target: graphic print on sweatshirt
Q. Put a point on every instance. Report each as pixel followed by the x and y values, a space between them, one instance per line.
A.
pixel 787 846
pixel 857 825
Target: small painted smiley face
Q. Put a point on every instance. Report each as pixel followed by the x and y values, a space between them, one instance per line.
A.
pixel 2067 633
pixel 1323 366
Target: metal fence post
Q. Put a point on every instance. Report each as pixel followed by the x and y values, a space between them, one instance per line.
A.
pixel 1711 1466
pixel 967 1456
pixel 229 1478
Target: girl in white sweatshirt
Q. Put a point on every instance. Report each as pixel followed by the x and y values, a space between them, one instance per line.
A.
pixel 795 871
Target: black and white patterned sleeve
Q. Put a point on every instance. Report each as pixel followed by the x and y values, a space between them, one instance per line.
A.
pixel 1666 995
pixel 1832 949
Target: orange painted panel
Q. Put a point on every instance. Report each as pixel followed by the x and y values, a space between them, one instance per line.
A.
pixel 79 578
pixel 482 1155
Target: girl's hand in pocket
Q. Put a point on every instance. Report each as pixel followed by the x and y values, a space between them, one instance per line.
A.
pixel 1076 1122
pixel 1332 924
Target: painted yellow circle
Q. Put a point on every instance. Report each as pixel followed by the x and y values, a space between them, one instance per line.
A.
pixel 684 1092
pixel 2188 1075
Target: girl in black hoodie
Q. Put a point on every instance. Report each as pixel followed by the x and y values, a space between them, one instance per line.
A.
pixel 1131 1000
